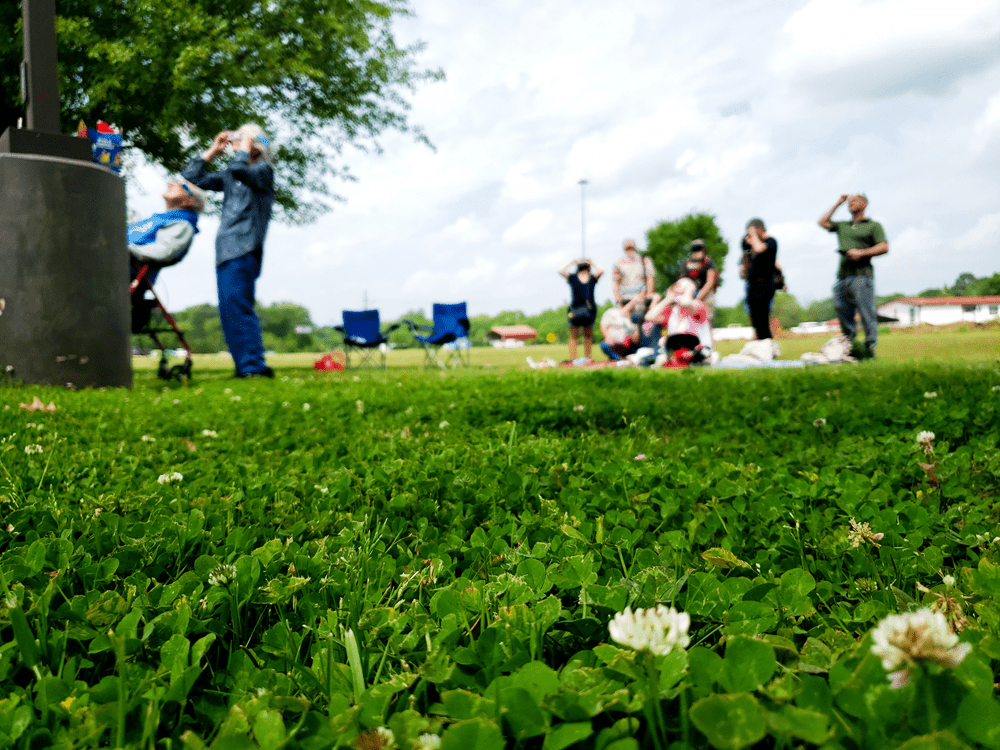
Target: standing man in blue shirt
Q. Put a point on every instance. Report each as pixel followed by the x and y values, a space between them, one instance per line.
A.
pixel 860 240
pixel 247 186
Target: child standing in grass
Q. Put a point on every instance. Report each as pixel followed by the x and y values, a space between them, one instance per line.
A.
pixel 582 310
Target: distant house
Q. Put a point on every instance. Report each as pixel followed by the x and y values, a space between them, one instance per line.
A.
pixel 511 336
pixel 911 311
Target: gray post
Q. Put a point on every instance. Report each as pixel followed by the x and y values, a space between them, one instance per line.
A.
pixel 42 84
pixel 64 305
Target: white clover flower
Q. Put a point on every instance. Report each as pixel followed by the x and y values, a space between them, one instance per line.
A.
pixel 356 379
pixel 388 738
pixel 450 406
pixel 148 439
pixel 900 640
pixel 235 398
pixel 360 406
pixel 578 407
pixel 819 422
pixel 443 425
pixel 322 490
pixel 176 401
pixel 995 388
pixel 861 533
pixel 409 410
pixel 228 391
pixel 930 394
pixel 209 433
pixel 948 580
pixel 170 478
pixel 640 457
pixel 286 404
pixel 36 448
pixel 658 630
pixel 428 742
pixel 925 437
pixel 306 407
pixel 222 575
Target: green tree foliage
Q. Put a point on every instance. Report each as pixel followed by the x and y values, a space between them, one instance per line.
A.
pixel 820 311
pixel 731 316
pixel 668 244
pixel 989 285
pixel 962 284
pixel 316 74
pixel 787 310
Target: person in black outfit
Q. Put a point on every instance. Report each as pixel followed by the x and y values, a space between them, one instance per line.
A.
pixel 763 253
pixel 582 308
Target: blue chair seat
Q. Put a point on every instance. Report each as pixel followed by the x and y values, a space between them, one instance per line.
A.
pixel 451 325
pixel 362 335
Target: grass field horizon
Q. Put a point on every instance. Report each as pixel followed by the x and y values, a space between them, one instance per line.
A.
pixel 951 343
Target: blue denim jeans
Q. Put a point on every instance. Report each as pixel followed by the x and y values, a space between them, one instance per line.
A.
pixel 236 280
pixel 856 294
pixel 609 352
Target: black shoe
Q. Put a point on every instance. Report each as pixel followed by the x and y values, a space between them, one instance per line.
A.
pixel 267 372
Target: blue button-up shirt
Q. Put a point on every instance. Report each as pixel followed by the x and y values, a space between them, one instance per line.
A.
pixel 247 199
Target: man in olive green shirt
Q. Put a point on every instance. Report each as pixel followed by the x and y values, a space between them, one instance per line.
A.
pixel 860 240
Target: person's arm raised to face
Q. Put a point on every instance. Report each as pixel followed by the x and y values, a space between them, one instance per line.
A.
pixel 824 220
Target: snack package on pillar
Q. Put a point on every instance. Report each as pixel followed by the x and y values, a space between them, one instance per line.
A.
pixel 107 144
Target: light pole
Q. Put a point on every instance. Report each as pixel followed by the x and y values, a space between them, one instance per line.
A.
pixel 583 220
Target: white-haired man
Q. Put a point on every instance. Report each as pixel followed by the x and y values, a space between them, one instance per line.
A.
pixel 860 240
pixel 247 185
pixel 165 238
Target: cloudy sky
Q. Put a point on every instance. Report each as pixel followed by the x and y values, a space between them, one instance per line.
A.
pixel 739 108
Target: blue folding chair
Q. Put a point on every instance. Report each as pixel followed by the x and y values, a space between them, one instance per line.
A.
pixel 363 336
pixel 450 333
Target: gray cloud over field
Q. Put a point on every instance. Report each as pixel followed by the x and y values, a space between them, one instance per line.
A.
pixel 741 108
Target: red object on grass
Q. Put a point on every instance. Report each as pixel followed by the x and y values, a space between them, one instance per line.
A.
pixel 328 362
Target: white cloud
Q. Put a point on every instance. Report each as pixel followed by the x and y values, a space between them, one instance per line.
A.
pixel 987 128
pixel 467 230
pixel 528 227
pixel 844 49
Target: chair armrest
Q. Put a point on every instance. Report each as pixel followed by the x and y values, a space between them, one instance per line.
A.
pixel 414 326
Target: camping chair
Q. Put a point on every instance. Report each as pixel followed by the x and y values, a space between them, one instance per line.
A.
pixel 363 336
pixel 449 333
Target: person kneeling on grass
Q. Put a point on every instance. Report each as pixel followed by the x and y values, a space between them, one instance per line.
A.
pixel 165 238
pixel 621 336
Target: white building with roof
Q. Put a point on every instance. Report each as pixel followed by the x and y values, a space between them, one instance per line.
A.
pixel 911 311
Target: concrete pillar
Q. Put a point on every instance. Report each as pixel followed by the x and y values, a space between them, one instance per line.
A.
pixel 65 314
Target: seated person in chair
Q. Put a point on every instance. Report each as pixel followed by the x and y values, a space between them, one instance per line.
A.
pixel 621 336
pixel 164 238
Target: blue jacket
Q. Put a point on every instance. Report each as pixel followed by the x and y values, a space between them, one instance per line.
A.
pixel 247 199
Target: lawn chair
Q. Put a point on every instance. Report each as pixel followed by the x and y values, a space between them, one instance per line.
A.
pixel 363 336
pixel 450 333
